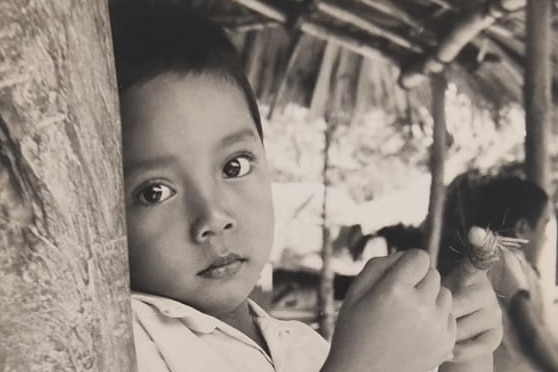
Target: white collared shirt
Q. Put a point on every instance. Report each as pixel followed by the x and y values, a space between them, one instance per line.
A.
pixel 172 337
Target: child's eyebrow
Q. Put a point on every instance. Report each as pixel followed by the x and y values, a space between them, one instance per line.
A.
pixel 241 135
pixel 148 164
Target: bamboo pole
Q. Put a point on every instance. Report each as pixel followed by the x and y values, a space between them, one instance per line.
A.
pixel 326 303
pixel 265 9
pixel 247 25
pixel 392 10
pixel 346 14
pixel 468 28
pixel 64 287
pixel 538 97
pixel 538 92
pixel 338 113
pixel 320 96
pixel 437 160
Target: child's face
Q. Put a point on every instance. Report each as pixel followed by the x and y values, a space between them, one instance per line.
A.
pixel 198 191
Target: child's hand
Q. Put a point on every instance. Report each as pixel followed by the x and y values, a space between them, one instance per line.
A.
pixel 396 317
pixel 478 314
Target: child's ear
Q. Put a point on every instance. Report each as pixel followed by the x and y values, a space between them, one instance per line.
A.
pixel 522 229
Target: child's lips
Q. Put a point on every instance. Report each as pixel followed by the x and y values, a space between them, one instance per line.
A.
pixel 223 267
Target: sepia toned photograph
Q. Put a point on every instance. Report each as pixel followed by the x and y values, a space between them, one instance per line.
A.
pixel 278 186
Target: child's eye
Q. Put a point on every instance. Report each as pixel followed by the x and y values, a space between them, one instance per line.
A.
pixel 154 193
pixel 238 167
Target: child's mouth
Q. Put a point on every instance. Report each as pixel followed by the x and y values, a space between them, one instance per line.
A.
pixel 223 267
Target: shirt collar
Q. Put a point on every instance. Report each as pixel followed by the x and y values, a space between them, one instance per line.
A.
pixel 193 319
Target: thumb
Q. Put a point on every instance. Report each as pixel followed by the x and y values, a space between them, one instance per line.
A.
pixel 371 273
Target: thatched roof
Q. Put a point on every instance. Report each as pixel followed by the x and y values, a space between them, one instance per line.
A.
pixel 480 43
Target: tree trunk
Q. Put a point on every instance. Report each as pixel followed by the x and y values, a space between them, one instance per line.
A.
pixel 437 159
pixel 64 291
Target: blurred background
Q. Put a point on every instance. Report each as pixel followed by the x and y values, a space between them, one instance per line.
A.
pixel 367 104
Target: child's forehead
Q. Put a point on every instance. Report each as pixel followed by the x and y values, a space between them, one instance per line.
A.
pixel 184 105
pixel 175 88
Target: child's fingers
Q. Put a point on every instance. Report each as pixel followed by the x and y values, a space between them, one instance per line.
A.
pixel 463 275
pixel 374 269
pixel 410 268
pixel 429 286
pixel 476 324
pixel 444 300
pixel 483 344
pixel 467 273
pixel 472 298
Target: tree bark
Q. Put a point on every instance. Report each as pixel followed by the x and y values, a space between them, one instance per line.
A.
pixel 437 160
pixel 64 291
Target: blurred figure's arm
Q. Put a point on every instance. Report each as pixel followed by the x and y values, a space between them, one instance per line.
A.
pixel 535 336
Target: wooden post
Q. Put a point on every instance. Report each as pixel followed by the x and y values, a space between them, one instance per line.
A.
pixel 538 94
pixel 64 291
pixel 437 159
pixel 326 303
pixel 338 113
pixel 538 114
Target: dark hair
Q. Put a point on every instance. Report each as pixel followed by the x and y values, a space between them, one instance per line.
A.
pixel 497 203
pixel 505 201
pixel 458 216
pixel 154 37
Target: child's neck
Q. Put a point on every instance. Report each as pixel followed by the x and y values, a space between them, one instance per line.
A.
pixel 242 319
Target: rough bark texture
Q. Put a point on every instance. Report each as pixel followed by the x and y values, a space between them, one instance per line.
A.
pixel 64 291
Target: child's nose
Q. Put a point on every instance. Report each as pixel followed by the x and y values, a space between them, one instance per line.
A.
pixel 213 223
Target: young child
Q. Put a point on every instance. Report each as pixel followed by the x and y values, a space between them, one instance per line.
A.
pixel 200 225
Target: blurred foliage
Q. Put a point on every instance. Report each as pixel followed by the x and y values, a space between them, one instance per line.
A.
pixel 378 151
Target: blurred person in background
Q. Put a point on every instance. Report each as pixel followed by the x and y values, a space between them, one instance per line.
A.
pixel 512 207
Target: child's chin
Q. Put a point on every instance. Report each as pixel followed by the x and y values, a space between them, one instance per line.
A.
pixel 225 300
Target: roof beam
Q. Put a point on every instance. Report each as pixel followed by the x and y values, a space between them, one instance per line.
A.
pixel 446 5
pixel 449 47
pixel 346 14
pixel 360 46
pixel 244 24
pixel 266 9
pixel 389 8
